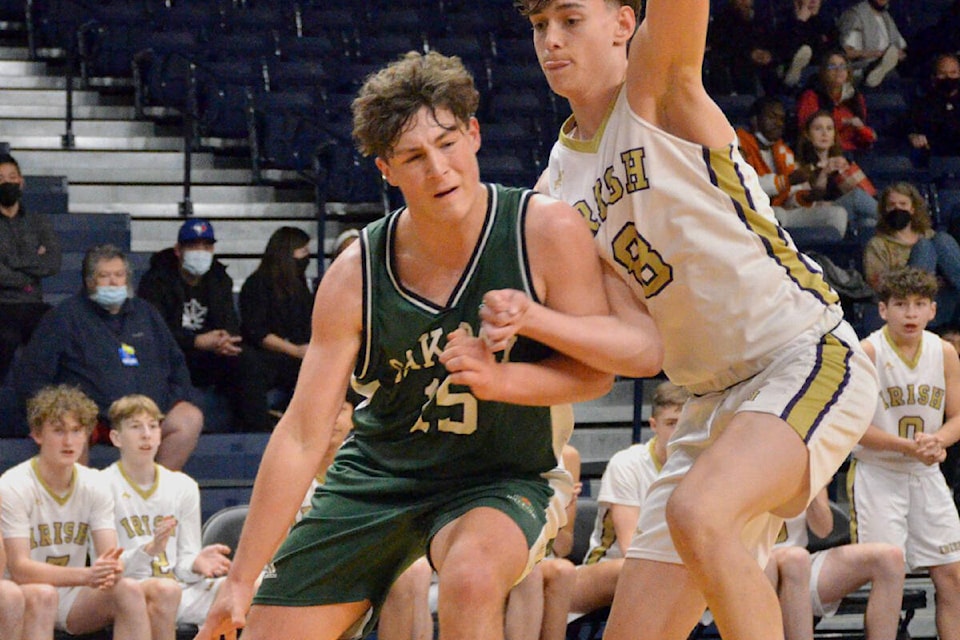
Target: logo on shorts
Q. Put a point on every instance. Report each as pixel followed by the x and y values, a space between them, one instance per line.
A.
pixel 270 571
pixel 524 503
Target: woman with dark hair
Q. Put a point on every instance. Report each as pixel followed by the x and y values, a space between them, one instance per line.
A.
pixel 832 178
pixel 833 91
pixel 275 307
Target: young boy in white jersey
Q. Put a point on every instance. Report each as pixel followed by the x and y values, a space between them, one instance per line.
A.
pixel 898 493
pixel 157 514
pixel 28 611
pixel 53 508
pixel 623 487
pixel 812 585
pixel 748 324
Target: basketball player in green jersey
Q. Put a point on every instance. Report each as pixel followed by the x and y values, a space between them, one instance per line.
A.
pixel 453 453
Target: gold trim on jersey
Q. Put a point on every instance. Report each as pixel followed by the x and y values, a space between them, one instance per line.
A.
pixel 826 381
pixel 593 144
pixel 60 500
pixel 909 362
pixel 143 493
pixel 657 462
pixel 851 487
pixel 728 179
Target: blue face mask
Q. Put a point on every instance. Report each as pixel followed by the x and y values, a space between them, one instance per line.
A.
pixel 197 262
pixel 109 296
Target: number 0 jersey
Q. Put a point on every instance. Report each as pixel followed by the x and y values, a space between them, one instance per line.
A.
pixel 414 424
pixel 912 397
pixel 693 234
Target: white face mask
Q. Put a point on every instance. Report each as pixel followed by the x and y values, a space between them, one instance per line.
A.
pixel 109 297
pixel 197 262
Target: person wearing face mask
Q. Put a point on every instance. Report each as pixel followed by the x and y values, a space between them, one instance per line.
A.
pixel 871 40
pixel 275 308
pixel 111 344
pixel 29 252
pixel 905 237
pixel 934 120
pixel 194 294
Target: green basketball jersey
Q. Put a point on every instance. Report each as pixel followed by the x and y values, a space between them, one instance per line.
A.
pixel 414 424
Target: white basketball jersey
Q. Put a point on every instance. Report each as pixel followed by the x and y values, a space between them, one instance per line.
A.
pixel 912 397
pixel 691 231
pixel 625 481
pixel 58 526
pixel 140 509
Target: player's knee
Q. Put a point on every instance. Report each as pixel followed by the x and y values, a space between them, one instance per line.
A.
pixel 889 562
pixel 128 596
pixel 162 595
pixel 794 565
pixel 691 525
pixel 41 597
pixel 12 600
pixel 473 583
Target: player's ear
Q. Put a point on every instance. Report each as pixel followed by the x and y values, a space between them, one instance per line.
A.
pixel 882 308
pixel 473 132
pixel 115 437
pixel 626 24
pixel 384 168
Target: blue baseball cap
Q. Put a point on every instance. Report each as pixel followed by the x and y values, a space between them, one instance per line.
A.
pixel 195 229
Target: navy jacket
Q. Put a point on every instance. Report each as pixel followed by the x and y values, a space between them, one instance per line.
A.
pixel 80 343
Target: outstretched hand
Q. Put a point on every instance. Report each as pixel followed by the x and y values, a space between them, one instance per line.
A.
pixel 502 317
pixel 471 364
pixel 212 561
pixel 228 612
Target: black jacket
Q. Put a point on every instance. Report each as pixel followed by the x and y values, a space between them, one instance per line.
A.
pixel 164 287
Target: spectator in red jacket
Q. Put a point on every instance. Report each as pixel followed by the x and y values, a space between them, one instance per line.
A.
pixel 833 91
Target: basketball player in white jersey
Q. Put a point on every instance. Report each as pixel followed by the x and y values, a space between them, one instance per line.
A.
pixel 812 585
pixel 27 611
pixel 157 513
pixel 748 324
pixel 53 508
pixel 898 493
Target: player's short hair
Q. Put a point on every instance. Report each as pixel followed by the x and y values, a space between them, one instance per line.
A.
pixel 390 98
pixel 52 404
pixel 6 158
pixel 668 396
pixel 130 406
pixel 529 7
pixel 908 281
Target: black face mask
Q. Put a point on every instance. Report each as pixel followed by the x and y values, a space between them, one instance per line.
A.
pixel 9 194
pixel 302 264
pixel 897 219
pixel 946 86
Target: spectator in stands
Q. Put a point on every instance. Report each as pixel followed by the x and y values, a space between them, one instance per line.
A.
pixel 742 51
pixel 905 237
pixel 29 251
pixel 275 307
pixel 871 40
pixel 623 488
pixel 193 292
pixel 934 120
pixel 832 91
pixel 55 509
pixel 111 344
pixel 832 178
pixel 26 611
pixel 805 37
pixel 157 514
pixel 764 149
pixel 812 585
pixel 899 495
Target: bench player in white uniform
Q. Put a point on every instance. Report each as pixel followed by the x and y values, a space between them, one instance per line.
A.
pixel 812 585
pixel 748 323
pixel 898 493
pixel 157 512
pixel 27 611
pixel 53 508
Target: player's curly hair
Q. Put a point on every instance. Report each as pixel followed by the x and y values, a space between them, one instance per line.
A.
pixel 908 281
pixel 667 396
pixel 391 97
pixel 130 406
pixel 919 221
pixel 52 404
pixel 529 7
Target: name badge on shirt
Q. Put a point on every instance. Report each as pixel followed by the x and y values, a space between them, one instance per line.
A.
pixel 128 355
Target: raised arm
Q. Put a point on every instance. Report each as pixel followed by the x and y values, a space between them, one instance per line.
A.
pixel 665 73
pixel 299 441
